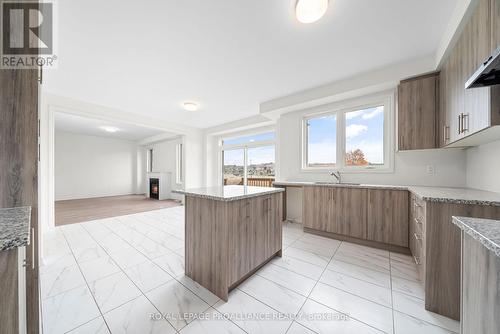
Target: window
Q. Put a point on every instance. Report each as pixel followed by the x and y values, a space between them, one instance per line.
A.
pixel 349 139
pixel 322 141
pixel 249 160
pixel 364 137
pixel 179 166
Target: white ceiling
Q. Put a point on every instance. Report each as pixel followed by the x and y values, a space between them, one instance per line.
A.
pixel 92 127
pixel 147 57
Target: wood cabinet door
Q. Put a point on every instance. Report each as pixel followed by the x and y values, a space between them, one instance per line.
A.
pixel 417 112
pixel 260 217
pixel 349 215
pixel 442 254
pixel 274 230
pixel 476 48
pixel 316 210
pixel 448 124
pixel 388 216
pixel 19 187
pixel 495 25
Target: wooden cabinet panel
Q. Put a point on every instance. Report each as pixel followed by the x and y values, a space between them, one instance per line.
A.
pixel 350 212
pixel 480 288
pixel 442 252
pixel 227 241
pixel 19 181
pixel 467 111
pixel 388 216
pixel 495 25
pixel 475 48
pixel 443 119
pixel 315 208
pixel 417 112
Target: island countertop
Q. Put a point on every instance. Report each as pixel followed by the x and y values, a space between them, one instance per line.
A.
pixel 228 193
pixel 486 231
pixel 14 227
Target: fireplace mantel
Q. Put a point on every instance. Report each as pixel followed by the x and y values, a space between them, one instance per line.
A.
pixel 165 184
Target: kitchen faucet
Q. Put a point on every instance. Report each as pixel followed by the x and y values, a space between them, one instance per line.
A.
pixel 336 175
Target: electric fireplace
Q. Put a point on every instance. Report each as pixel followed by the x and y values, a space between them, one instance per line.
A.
pixel 154 188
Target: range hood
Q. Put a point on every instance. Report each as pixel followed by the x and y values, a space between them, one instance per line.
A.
pixel 488 74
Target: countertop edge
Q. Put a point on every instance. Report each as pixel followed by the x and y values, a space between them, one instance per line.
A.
pixel 228 199
pixel 411 189
pixel 484 240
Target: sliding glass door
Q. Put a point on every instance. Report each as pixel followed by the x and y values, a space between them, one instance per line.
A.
pixel 249 160
pixel 234 167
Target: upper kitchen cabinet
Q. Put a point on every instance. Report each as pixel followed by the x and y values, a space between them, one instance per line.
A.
pixel 417 112
pixel 466 112
pixel 495 24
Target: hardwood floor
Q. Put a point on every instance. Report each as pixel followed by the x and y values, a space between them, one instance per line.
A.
pixel 81 210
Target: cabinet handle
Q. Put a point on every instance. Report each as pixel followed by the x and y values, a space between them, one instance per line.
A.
pixel 417 237
pixel 446 133
pixel 460 124
pixel 464 118
pixel 417 260
pixel 33 248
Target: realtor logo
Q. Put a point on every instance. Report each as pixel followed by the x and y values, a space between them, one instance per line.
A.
pixel 27 34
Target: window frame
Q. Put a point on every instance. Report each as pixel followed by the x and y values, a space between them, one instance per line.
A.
pixel 340 109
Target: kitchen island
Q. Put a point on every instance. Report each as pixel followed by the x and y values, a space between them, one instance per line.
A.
pixel 231 232
pixel 480 273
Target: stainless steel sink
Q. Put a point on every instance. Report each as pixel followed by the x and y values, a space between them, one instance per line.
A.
pixel 341 184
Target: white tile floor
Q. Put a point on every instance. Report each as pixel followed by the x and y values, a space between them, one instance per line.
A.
pixel 110 275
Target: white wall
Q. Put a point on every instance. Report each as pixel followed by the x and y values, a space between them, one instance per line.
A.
pixel 88 166
pixel 483 171
pixel 165 161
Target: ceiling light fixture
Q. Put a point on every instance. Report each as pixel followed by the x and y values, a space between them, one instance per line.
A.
pixel 190 106
pixel 309 11
pixel 111 129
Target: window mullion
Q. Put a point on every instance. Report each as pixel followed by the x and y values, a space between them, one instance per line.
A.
pixel 340 140
pixel 245 166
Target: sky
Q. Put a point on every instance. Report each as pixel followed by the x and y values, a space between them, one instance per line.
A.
pixel 256 155
pixel 364 130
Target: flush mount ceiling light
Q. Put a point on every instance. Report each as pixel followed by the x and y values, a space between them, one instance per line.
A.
pixel 309 11
pixel 111 129
pixel 190 106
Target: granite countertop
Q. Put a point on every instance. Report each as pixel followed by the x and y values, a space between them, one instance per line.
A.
pixel 14 227
pixel 228 193
pixel 456 195
pixel 486 231
pixel 343 185
pixel 432 194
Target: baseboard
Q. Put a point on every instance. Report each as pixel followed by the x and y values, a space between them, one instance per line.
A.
pixel 370 243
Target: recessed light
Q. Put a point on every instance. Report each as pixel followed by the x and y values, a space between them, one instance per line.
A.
pixel 309 11
pixel 190 106
pixel 111 129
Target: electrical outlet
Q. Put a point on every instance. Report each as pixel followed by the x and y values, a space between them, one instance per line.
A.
pixel 430 169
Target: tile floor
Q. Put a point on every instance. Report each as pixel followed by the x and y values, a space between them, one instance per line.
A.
pixel 111 275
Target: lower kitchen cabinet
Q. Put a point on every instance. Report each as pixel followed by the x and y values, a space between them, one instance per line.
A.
pixel 387 219
pixel 480 288
pixel 375 215
pixel 350 212
pixel 442 253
